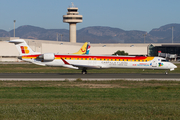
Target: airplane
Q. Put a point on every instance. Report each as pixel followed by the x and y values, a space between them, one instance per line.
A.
pixel 84 49
pixel 85 62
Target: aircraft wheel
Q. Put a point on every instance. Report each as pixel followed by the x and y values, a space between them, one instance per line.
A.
pixel 84 72
pixel 166 72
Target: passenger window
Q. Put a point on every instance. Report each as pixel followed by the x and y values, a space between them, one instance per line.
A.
pixel 164 61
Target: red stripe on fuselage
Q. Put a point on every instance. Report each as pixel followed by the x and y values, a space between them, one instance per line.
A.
pixel 31 55
pixel 102 57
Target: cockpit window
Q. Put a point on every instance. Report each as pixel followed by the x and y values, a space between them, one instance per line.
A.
pixel 164 61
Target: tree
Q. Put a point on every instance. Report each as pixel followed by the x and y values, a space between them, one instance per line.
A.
pixel 120 53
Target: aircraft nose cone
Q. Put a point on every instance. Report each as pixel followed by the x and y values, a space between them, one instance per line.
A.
pixel 175 66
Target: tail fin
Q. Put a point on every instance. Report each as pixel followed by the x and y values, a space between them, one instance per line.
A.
pixel 84 49
pixel 88 49
pixel 23 47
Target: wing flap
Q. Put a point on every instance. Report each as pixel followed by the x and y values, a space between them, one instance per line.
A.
pixel 87 66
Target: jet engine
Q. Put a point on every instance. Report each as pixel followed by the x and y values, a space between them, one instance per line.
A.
pixel 47 56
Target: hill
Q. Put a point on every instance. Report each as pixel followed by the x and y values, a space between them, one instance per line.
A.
pixel 164 33
pixel 99 34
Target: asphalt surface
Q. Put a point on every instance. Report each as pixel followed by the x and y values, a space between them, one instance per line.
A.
pixel 89 76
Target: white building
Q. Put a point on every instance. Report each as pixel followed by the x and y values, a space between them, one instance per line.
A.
pixel 8 51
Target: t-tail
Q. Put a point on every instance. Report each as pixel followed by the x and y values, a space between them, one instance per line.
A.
pixel 23 47
pixel 84 49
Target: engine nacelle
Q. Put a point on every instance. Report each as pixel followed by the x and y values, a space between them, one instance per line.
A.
pixel 47 56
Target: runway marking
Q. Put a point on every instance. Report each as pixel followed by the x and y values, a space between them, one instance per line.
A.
pixel 88 79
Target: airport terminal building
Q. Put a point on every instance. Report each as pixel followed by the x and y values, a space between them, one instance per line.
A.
pixel 9 52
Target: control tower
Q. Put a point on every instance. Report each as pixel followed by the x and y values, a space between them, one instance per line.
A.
pixel 72 18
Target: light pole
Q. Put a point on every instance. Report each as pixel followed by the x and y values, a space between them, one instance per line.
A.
pixel 61 36
pixel 144 37
pixel 14 27
pixel 172 33
pixel 58 35
pixel 35 44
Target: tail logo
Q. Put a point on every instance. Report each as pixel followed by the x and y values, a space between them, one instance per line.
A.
pixel 24 49
pixel 88 48
pixel 83 50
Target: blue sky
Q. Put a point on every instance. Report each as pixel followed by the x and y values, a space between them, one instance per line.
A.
pixel 124 14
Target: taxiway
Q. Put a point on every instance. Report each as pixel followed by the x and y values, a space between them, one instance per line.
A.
pixel 89 76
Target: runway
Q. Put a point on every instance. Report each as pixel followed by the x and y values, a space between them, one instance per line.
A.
pixel 90 76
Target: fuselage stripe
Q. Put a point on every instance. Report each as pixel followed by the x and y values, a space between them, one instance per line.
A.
pixel 98 58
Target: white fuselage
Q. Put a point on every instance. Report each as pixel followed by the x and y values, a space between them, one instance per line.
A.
pixel 94 62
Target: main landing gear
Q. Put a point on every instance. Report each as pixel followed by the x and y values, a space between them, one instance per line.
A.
pixel 166 72
pixel 84 72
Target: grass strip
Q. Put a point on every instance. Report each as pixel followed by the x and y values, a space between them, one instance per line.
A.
pixel 79 100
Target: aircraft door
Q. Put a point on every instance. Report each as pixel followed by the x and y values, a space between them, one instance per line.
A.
pixel 92 61
pixel 154 63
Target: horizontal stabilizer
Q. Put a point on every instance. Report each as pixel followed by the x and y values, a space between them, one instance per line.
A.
pixel 23 47
pixel 16 41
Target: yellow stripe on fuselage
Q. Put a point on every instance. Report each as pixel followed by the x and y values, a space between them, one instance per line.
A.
pixel 149 58
pixel 28 57
pixel 97 58
pixel 101 59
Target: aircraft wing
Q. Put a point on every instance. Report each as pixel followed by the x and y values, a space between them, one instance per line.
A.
pixel 86 66
pixel 82 66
